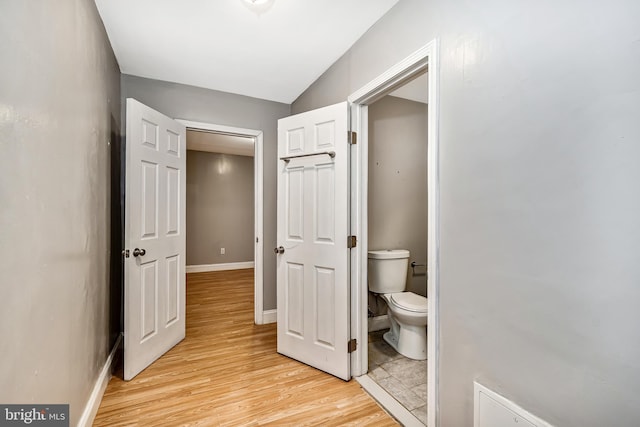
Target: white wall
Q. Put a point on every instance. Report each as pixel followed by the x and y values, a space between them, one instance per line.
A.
pixel 540 237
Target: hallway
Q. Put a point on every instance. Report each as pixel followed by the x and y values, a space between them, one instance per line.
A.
pixel 227 373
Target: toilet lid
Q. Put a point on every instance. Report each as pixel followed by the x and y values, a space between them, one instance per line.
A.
pixel 410 301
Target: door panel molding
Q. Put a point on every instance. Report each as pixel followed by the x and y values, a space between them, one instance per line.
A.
pixel 313 224
pixel 154 291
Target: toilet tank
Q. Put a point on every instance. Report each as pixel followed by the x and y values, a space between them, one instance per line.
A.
pixel 387 270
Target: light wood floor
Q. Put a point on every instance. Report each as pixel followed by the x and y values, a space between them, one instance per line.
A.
pixel 227 373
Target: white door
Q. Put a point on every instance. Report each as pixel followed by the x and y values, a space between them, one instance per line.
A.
pixel 312 266
pixel 154 290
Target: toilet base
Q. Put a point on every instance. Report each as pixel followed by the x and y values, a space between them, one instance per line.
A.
pixel 410 340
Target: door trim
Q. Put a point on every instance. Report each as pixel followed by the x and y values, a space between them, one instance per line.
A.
pixel 427 57
pixel 258 193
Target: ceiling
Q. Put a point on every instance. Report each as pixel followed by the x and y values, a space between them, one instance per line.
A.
pixel 415 90
pixel 270 52
pixel 220 143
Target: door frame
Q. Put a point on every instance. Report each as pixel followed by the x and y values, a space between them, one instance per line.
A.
pixel 427 57
pixel 258 195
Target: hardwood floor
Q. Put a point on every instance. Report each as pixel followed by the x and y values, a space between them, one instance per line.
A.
pixel 226 372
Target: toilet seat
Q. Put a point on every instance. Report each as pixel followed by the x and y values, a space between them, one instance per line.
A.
pixel 409 301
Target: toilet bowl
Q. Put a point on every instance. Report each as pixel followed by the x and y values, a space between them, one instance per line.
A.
pixel 408 318
pixel 407 312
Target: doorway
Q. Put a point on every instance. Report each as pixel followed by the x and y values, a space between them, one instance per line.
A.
pixel 397 223
pixel 155 232
pixel 236 142
pixel 424 59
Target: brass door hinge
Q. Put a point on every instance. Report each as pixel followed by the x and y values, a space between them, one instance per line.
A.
pixel 352 241
pixel 352 137
pixel 352 345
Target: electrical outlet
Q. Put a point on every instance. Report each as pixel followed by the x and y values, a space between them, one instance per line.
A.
pixel 222 251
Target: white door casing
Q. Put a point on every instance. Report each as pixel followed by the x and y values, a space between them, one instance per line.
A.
pixel 155 204
pixel 259 314
pixel 426 57
pixel 313 218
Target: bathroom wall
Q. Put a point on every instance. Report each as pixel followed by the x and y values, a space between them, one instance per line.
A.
pixel 539 201
pixel 59 116
pixel 220 208
pixel 398 182
pixel 204 105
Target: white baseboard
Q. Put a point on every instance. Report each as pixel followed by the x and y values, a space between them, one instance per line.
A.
pixel 269 316
pixel 378 323
pixel 219 267
pixel 391 405
pixel 91 408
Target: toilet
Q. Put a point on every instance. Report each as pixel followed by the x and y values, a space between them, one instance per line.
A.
pixel 407 311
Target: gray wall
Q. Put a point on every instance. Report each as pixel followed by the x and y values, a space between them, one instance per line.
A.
pixel 398 182
pixel 209 106
pixel 220 208
pixel 539 233
pixel 59 110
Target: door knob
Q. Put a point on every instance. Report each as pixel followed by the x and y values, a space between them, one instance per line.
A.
pixel 278 250
pixel 139 252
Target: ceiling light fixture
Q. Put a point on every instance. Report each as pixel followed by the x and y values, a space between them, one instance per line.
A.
pixel 258 6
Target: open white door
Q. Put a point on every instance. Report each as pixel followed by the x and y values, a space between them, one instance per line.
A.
pixel 155 203
pixel 312 272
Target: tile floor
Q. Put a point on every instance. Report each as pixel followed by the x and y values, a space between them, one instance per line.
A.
pixel 402 378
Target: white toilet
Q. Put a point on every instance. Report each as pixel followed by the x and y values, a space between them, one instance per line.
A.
pixel 407 311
